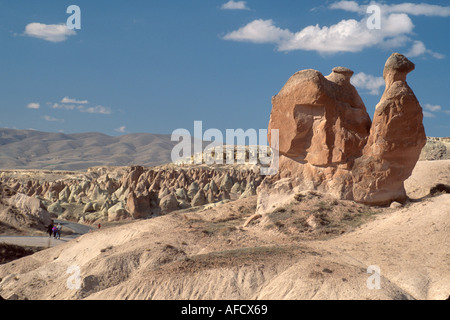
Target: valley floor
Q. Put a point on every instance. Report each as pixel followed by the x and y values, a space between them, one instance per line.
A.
pixel 312 248
pixel 196 254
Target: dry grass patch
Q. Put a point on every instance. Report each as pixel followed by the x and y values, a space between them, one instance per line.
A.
pixel 313 216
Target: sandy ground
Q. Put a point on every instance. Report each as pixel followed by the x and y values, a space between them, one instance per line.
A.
pixel 426 175
pixel 70 230
pixel 42 242
pixel 206 254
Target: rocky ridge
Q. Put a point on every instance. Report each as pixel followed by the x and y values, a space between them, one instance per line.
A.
pixel 436 149
pixel 114 194
pixel 19 211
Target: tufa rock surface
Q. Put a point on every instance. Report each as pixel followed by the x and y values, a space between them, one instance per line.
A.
pixel 328 142
pixel 396 139
pixel 117 193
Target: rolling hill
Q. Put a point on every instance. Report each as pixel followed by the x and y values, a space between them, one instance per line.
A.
pixel 29 149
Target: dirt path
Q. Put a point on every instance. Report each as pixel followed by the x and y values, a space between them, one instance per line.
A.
pixel 43 242
pixel 47 242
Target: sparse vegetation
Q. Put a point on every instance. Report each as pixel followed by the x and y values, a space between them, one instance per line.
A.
pixel 10 252
pixel 221 227
pixel 314 216
pixel 240 257
pixel 106 249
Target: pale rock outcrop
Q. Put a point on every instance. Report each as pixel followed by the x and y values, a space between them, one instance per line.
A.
pixel 210 196
pixel 236 188
pixel 31 206
pixel 223 195
pixel 55 208
pixel 117 212
pixel 227 183
pixel 64 194
pixel 199 199
pixel 132 177
pixel 249 191
pixel 100 188
pixel 168 203
pixel 181 194
pixel 163 192
pixel 213 186
pixel 109 186
pixel 193 190
pixel 97 194
pixel 119 192
pixel 89 207
pixel 139 206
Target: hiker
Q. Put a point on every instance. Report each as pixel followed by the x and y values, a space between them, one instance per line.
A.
pixel 55 230
pixel 58 231
pixel 50 229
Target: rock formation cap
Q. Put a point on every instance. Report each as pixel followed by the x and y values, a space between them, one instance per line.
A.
pixel 343 70
pixel 340 75
pixel 397 67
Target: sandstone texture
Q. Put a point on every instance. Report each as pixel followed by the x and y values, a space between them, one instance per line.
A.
pixel 322 120
pixel 396 139
pixel 329 143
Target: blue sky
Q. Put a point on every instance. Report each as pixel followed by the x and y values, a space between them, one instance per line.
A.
pixel 155 66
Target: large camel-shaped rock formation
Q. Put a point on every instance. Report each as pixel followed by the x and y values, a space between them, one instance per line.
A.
pixel 328 143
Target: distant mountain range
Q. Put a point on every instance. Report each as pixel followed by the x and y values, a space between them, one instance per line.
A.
pixel 29 149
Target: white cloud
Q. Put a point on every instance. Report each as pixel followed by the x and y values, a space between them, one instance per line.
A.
pixel 352 6
pixel 63 106
pixel 419 9
pixel 427 114
pixel 48 32
pixel 415 9
pixel 260 31
pixel 346 35
pixel 52 119
pixel 396 24
pixel 418 48
pixel 69 100
pixel 235 5
pixel 96 109
pixel 432 108
pixel 396 42
pixel 33 105
pixel 368 82
pixel 121 129
pixel 80 105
